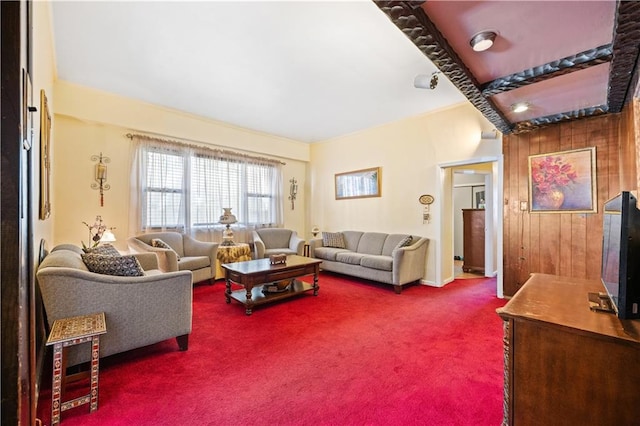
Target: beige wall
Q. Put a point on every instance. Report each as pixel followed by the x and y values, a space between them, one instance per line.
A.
pixel 409 153
pixel 42 78
pixel 88 122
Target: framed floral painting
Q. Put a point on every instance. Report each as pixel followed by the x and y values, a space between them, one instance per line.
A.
pixel 563 182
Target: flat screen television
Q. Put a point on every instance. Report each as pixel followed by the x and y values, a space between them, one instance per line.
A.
pixel 621 254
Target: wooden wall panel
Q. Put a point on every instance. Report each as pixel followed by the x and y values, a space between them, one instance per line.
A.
pixel 628 169
pixel 567 244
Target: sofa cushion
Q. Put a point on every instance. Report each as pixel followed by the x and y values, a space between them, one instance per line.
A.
pixel 328 253
pixel 351 239
pixel 191 263
pixel 371 243
pixel 349 257
pixel 124 266
pixel 333 239
pixel 104 249
pixel 157 242
pixel 380 262
pixel 269 252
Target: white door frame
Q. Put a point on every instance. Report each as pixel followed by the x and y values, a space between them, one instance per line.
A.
pixel 494 223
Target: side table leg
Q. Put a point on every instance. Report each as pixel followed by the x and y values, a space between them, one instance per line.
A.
pixel 249 301
pixel 227 292
pixel 56 386
pixel 95 366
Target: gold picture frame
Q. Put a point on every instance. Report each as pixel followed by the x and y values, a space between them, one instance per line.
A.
pixel 563 182
pixel 363 183
pixel 45 157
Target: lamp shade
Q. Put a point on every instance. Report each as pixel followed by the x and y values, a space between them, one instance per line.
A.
pixel 107 237
pixel 227 217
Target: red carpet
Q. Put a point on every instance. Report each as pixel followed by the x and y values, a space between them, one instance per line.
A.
pixel 357 354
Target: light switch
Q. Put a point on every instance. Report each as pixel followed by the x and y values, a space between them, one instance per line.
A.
pixel 523 206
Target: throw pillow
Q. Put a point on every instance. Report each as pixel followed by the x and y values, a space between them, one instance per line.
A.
pixel 104 249
pixel 406 241
pixel 157 242
pixel 333 239
pixel 124 266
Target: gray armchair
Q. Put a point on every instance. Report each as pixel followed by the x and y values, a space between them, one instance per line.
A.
pixel 185 253
pixel 139 310
pixel 268 241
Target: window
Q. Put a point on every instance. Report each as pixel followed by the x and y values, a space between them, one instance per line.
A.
pixel 164 190
pixel 186 188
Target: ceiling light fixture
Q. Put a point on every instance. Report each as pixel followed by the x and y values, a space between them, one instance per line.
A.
pixel 424 81
pixel 483 40
pixel 520 107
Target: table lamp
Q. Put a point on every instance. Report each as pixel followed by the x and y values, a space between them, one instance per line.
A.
pixel 228 219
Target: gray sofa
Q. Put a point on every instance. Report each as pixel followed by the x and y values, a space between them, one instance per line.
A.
pixel 374 256
pixel 139 310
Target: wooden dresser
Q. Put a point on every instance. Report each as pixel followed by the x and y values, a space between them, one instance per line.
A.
pixel 566 364
pixel 473 253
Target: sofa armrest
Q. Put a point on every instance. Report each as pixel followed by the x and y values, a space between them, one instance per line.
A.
pixel 409 262
pixel 167 259
pixel 258 246
pixel 313 244
pixel 193 247
pixel 296 244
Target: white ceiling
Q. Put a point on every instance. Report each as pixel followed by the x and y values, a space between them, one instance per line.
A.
pixel 305 70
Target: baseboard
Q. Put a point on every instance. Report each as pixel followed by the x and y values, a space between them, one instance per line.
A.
pixel 430 283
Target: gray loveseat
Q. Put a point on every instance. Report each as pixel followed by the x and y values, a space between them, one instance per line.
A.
pixel 139 310
pixel 374 256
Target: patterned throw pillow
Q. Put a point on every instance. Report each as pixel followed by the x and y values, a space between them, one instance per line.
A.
pixel 124 266
pixel 406 241
pixel 157 242
pixel 333 239
pixel 104 249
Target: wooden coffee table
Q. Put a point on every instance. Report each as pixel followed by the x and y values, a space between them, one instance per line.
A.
pixel 253 275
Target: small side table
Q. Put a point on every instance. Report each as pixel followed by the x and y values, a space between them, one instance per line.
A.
pixel 229 254
pixel 305 251
pixel 70 332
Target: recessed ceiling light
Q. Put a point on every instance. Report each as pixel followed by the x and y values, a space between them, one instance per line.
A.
pixel 483 40
pixel 520 107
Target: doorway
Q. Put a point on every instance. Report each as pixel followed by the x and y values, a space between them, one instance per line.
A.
pixel 492 170
pixel 469 200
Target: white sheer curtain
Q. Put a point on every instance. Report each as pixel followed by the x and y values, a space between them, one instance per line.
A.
pixel 185 188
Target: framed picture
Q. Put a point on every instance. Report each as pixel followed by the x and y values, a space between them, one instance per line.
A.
pixel 563 182
pixel 45 157
pixel 478 197
pixel 358 184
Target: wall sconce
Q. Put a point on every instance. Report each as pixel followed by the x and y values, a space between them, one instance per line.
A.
pixel 101 175
pixel 315 231
pixel 293 191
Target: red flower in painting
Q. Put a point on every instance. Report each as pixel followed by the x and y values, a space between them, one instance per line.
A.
pixel 551 173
